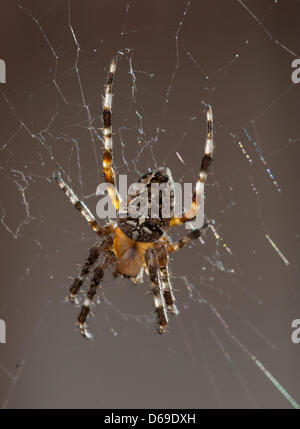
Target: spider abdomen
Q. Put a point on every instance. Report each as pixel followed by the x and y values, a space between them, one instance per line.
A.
pixel 129 254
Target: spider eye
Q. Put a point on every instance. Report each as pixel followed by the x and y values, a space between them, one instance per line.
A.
pixel 161 175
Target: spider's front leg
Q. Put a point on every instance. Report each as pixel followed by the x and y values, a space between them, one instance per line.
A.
pixel 152 262
pixel 205 164
pixel 108 171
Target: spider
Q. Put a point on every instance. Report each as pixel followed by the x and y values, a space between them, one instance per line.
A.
pixel 134 246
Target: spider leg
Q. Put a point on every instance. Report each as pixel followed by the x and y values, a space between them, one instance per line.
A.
pixel 196 233
pixel 107 133
pixel 106 257
pixel 205 164
pixel 151 259
pixel 163 259
pixel 79 205
pixel 92 258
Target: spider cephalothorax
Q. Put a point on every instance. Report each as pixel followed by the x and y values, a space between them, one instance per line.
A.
pixel 137 243
pixel 158 200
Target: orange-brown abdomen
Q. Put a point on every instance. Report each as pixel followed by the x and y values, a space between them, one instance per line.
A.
pixel 129 253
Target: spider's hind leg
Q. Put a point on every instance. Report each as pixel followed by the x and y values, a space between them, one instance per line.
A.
pixel 157 289
pixel 87 303
pixel 77 283
pixel 163 259
pixel 106 256
pixel 205 164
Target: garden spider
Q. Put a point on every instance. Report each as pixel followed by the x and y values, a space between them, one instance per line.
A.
pixel 134 245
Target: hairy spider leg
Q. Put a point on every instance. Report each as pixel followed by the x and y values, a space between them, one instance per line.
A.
pixel 79 205
pixel 157 289
pixel 163 259
pixel 193 235
pixel 106 257
pixel 84 272
pixel 107 133
pixel 205 164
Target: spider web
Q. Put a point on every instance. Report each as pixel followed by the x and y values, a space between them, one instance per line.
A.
pixel 237 287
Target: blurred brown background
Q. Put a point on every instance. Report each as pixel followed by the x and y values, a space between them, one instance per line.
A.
pixel 236 305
